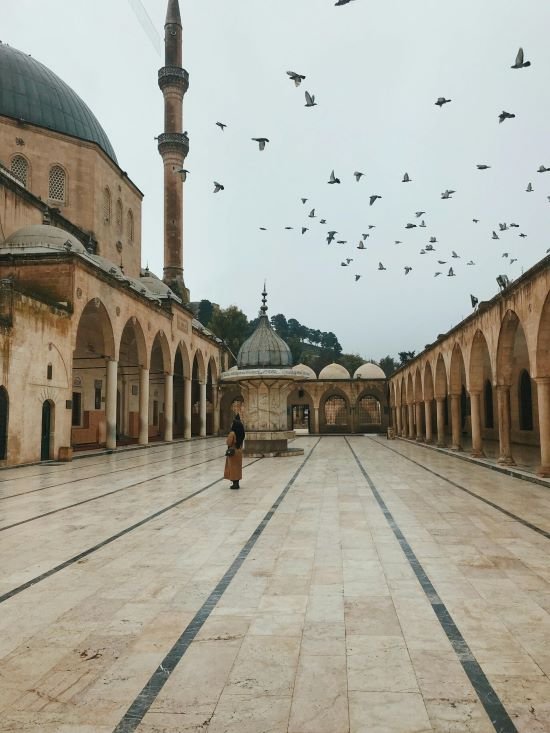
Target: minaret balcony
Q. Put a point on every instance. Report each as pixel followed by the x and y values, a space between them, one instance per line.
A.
pixel 174 76
pixel 173 142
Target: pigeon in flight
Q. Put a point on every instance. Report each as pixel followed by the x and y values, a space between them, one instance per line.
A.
pixel 522 235
pixel 310 100
pixel 341 241
pixel 357 277
pixel 482 167
pixel 433 240
pixel 261 142
pixel 495 235
pixel 471 262
pixel 398 241
pixel 296 78
pixel 263 229
pixel 322 221
pixel 289 227
pixel 344 264
pixel 373 226
pixel 342 2
pixel 422 224
pixel 367 234
pixel 358 175
pixel 330 236
pixel 349 259
pixel 373 198
pixel 529 187
pixel 447 194
pixel 543 169
pixel 514 259
pixel 430 248
pixel 304 201
pixel 476 221
pixel 361 245
pixel 312 214
pixel 304 230
pixel 218 187
pixel 516 226
pixel 422 251
pixel 451 272
pixel 474 300
pixel 418 214
pixel 437 273
pixel 520 63
pixel 183 173
pixel 333 178
pixel 505 116
pixel 407 269
pixel 406 178
pixel 381 266
pixel 410 226
pixel 505 254
pixel 221 125
pixel 441 101
pixel 441 262
pixel 503 227
pixel 454 254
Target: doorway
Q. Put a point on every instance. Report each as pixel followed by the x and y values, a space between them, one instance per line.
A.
pixel 47 420
pixel 3 424
pixel 300 417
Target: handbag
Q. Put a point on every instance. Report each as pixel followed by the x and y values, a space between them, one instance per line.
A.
pixel 230 452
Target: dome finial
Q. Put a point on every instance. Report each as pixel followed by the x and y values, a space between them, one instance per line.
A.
pixel 263 309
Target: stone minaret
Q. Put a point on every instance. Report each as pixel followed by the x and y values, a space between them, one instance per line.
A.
pixel 173 145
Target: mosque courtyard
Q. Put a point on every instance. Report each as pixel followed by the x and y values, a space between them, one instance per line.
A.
pixel 368 586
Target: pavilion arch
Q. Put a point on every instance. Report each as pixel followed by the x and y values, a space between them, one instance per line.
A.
pixel 301 410
pixel 213 370
pixel 369 411
pixel 457 371
pixel 199 367
pixel 132 344
pixel 160 349
pixel 95 333
pixel 480 368
pixel 511 339
pixel 334 411
pixel 543 341
pixel 440 378
pixel 418 396
pixel 185 368
pixel 428 382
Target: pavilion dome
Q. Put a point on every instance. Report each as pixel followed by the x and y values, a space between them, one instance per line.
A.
pixel 305 371
pixel 334 371
pixel 369 371
pixel 30 92
pixel 264 348
pixel 40 237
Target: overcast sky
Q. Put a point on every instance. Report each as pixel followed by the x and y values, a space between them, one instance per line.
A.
pixel 376 70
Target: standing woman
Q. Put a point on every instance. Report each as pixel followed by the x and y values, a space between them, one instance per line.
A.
pixel 234 454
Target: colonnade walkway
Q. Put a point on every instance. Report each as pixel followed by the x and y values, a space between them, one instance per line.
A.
pixel 353 589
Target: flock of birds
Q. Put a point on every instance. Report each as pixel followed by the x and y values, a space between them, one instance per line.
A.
pixel 331 235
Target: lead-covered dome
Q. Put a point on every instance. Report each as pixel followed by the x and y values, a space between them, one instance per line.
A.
pixel 40 237
pixel 334 371
pixel 369 371
pixel 264 348
pixel 29 91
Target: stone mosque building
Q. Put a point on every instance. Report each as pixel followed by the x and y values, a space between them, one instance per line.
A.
pixel 95 350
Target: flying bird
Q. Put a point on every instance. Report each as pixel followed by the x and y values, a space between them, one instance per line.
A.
pixel 296 78
pixel 422 251
pixel 381 266
pixel 476 221
pixel 341 241
pixel 373 198
pixel 349 259
pixel 333 178
pixel 522 235
pixel 505 116
pixel 418 214
pixel 406 178
pixel 361 245
pixel 322 221
pixel 342 2
pixel 441 101
pixel 495 235
pixel 433 240
pixel 312 214
pixel 357 277
pixel 310 100
pixel 529 188
pixel 505 254
pixel 503 227
pixel 516 226
pixel 330 236
pixel 437 273
pixel 422 224
pixel 447 194
pixel 471 262
pixel 514 259
pixel 261 142
pixel 474 300
pixel 344 264
pixel 407 269
pixel 221 125
pixel 543 169
pixel 410 226
pixel 430 248
pixel 398 241
pixel 441 262
pixel 303 201
pixel 289 227
pixel 304 230
pixel 454 254
pixel 451 272
pixel 218 187
pixel 358 175
pixel 183 173
pixel 263 229
pixel 482 166
pixel 520 63
pixel 373 226
pixel 365 235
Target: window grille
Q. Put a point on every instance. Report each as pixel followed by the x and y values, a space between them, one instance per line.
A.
pixel 130 225
pixel 336 411
pixel 107 206
pixel 57 187
pixel 370 412
pixel 20 169
pixel 118 220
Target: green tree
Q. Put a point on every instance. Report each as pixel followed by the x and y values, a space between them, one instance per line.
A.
pixel 351 362
pixel 206 309
pixel 405 357
pixel 231 325
pixel 280 325
pixel 388 365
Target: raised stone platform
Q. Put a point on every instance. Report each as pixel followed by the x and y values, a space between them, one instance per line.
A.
pixel 270 444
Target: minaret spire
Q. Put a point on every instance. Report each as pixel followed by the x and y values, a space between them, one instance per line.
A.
pixel 263 309
pixel 173 145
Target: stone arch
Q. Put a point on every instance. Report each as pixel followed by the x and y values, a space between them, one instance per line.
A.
pixel 4 422
pixel 181 370
pixel 543 341
pixel 428 382
pixel 161 348
pixel 58 184
pixel 441 386
pixel 410 389
pixel 95 333
pixel 20 168
pixel 160 364
pixel 301 410
pixel 334 411
pixel 511 336
pixel 480 379
pixel 183 352
pixel 133 338
pixel 369 411
pixel 458 389
pixel 457 370
pixel 198 378
pixel 133 357
pixel 211 395
pixel 418 391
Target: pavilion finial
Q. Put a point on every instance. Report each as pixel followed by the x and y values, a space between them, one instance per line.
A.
pixel 263 309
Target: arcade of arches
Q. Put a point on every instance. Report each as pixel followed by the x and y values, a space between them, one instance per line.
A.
pixel 485 386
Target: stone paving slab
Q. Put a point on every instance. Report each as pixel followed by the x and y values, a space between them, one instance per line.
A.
pixel 323 626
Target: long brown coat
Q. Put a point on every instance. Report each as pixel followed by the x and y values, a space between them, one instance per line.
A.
pixel 233 464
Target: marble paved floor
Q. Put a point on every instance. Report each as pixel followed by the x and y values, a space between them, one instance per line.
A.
pixel 119 592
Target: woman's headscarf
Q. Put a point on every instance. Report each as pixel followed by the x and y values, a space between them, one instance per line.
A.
pixel 238 428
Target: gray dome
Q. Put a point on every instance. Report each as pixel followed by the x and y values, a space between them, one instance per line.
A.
pixel 264 348
pixel 39 237
pixel 29 91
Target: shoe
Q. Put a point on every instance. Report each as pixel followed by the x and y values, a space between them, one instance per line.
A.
pixel 235 485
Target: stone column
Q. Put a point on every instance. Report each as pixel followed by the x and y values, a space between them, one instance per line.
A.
pixel 143 406
pixel 404 420
pixel 504 425
pixel 543 399
pixel 411 420
pixel 110 403
pixel 187 408
pixel 475 407
pixel 216 408
pixel 455 422
pixel 428 419
pixel 398 420
pixel 440 403
pixel 316 420
pixel 202 410
pixel 169 407
pixel 419 433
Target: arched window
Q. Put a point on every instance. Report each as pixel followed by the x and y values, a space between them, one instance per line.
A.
pixel 489 410
pixel 525 402
pixel 57 190
pixel 336 412
pixel 118 216
pixel 106 206
pixel 130 225
pixel 369 411
pixel 20 169
pixel 4 406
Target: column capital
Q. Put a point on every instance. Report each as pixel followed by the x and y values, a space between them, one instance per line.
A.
pixel 504 387
pixel 542 380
